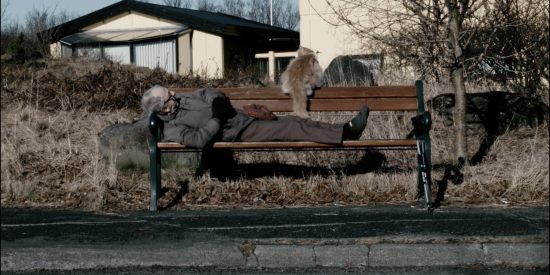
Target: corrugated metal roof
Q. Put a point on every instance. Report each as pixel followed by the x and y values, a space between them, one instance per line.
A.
pixel 119 35
pixel 215 23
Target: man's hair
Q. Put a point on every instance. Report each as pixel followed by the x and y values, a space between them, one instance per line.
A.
pixel 153 99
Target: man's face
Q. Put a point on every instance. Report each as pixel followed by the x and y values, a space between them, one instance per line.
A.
pixel 170 105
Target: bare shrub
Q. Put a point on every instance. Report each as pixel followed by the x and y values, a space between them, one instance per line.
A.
pixel 71 84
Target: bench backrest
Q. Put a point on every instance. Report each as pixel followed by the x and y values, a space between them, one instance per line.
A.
pixel 378 98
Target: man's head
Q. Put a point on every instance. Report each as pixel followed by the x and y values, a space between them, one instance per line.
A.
pixel 159 100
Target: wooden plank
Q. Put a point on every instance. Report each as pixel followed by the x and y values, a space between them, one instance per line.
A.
pixel 369 143
pixel 327 92
pixel 372 91
pixel 375 104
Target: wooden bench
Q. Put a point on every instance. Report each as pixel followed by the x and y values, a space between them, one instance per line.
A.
pixel 378 98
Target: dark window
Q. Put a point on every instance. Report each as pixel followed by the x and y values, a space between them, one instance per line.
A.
pixel 280 66
pixel 261 67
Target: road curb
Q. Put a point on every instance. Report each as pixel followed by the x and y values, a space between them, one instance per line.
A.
pixel 231 255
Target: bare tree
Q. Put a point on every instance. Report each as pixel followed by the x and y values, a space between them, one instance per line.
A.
pixel 424 34
pixel 177 3
pixel 289 16
pixel 235 7
pixel 457 11
pixel 208 5
pixel 4 6
pixel 172 3
pixel 285 14
pixel 511 46
pixel 11 35
pixel 22 41
pixel 40 20
pixel 259 11
pixel 450 39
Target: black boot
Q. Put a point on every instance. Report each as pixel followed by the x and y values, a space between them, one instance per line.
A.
pixel 354 128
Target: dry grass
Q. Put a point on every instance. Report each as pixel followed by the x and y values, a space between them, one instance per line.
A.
pixel 50 158
pixel 514 172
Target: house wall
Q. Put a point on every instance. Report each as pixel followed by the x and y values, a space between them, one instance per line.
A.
pixel 207 52
pixel 185 63
pixel 130 20
pixel 55 49
pixel 318 33
pixel 161 54
pixel 118 53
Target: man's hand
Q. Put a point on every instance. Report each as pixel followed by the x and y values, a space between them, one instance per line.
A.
pixel 222 109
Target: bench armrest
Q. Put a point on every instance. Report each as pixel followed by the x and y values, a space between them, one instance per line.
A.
pixel 155 126
pixel 422 123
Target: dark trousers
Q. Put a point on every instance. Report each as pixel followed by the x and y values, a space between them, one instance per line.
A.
pixel 292 128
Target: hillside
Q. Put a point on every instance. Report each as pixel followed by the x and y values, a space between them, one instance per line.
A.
pixel 53 110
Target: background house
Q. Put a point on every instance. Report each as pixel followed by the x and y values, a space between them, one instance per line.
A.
pixel 345 57
pixel 177 40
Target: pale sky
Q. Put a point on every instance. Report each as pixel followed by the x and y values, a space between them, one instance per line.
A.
pixel 17 10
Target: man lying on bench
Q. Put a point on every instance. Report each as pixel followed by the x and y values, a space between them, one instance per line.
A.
pixel 200 118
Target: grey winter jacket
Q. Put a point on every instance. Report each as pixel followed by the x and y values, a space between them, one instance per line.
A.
pixel 193 125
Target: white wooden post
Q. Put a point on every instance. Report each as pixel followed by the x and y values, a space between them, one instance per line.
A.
pixel 271 65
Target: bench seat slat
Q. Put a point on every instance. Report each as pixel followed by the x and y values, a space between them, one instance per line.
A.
pixel 369 143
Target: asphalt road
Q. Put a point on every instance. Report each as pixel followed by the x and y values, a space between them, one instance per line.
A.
pixel 277 241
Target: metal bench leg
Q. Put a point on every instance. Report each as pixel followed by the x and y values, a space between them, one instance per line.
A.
pixel 154 174
pixel 422 124
pixel 424 174
pixel 154 161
